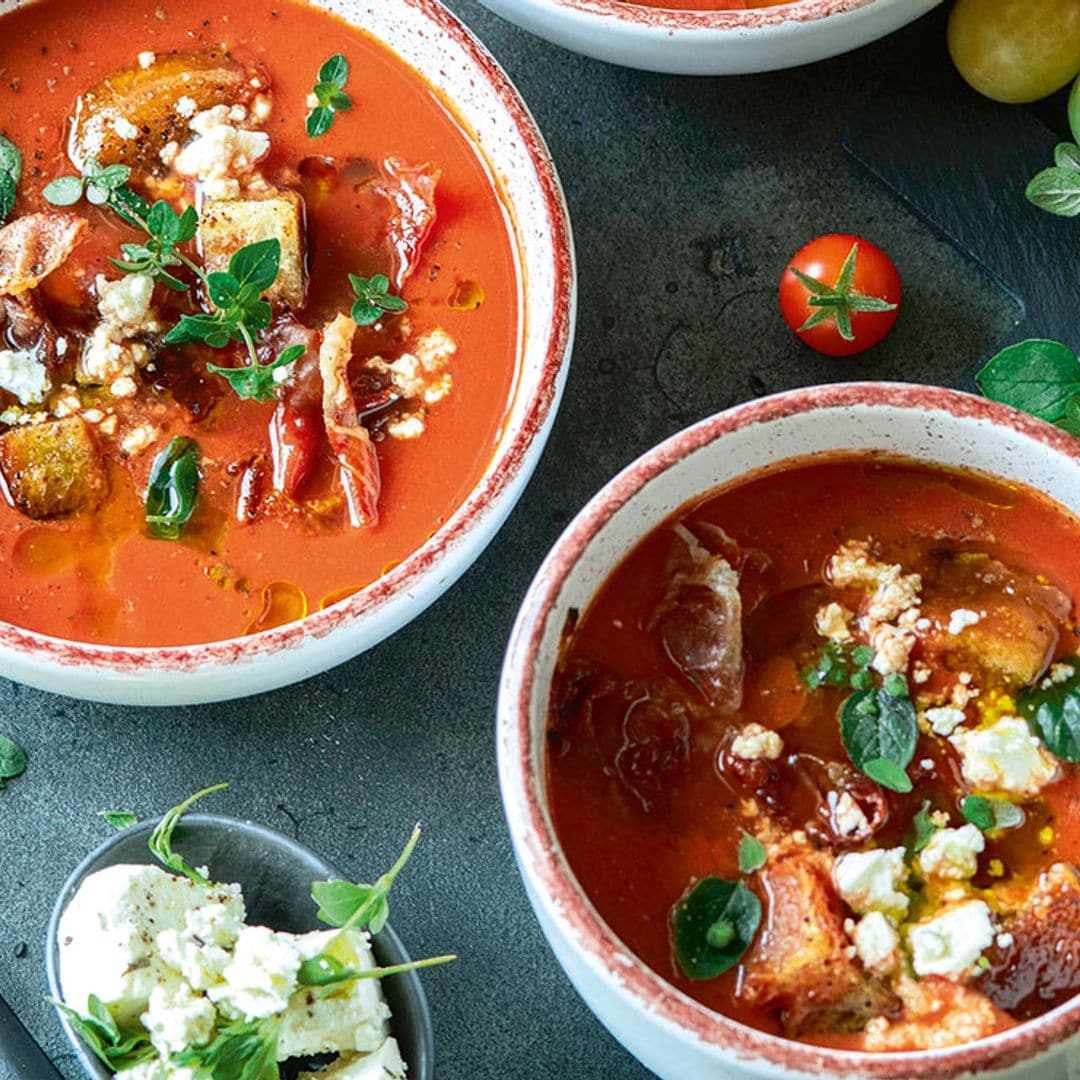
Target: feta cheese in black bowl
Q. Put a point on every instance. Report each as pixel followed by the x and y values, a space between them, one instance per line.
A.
pixel 219 957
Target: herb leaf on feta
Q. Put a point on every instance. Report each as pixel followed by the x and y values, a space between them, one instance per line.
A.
pixel 161 838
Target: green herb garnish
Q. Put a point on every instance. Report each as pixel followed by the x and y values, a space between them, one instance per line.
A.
pixel 839 300
pixel 156 255
pixel 373 299
pixel 837 667
pixel 330 94
pixel 713 925
pixel 922 828
pixel 114 1046
pixel 119 819
pixel 257 382
pixel 752 854
pixel 98 183
pixel 346 905
pixel 324 970
pixel 12 760
pixel 242 1050
pixel 173 488
pixel 1038 377
pixel 879 730
pixel 160 842
pixel 1053 711
pixel 10 172
pixel 989 814
pixel 1057 189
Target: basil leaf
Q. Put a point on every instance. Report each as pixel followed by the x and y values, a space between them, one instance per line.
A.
pixel 335 70
pixel 879 730
pixel 7 195
pixel 173 489
pixel 1056 190
pixel 712 927
pixel 752 854
pixel 319 121
pixel 922 828
pixel 257 264
pixel 10 159
pixel 64 190
pixel 12 759
pixel 989 814
pixel 160 842
pixel 1037 376
pixel 1053 711
pixel 119 819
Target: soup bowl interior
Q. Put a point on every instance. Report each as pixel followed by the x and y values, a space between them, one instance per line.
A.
pixel 672 1034
pixel 711 42
pixel 466 80
pixel 275 873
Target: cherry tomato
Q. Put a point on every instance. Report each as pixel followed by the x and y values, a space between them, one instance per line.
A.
pixel 1015 50
pixel 840 294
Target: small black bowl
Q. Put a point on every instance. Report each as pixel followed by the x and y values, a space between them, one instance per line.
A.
pixel 275 873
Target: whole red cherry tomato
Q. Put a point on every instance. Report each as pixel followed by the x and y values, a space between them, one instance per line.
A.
pixel 840 294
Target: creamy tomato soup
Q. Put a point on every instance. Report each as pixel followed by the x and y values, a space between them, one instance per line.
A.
pixel 811 753
pixel 168 481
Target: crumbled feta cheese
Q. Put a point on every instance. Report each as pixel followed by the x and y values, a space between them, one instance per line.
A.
pixel 409 426
pixel 847 815
pixel 1003 941
pixel 110 353
pixel 125 128
pixel 199 950
pixel 949 944
pixel 221 151
pixel 261 976
pixel 139 437
pixel 126 301
pixel 877 944
pixel 1058 673
pixel 186 107
pixel 893 591
pixel 755 742
pixel 354 1019
pixel 147 59
pixel 832 622
pixel 177 1018
pixel 944 720
pixel 892 648
pixel 1004 756
pixel 61 346
pixel 952 853
pixel 24 375
pixel 920 673
pixel 422 374
pixel 107 934
pixel 872 880
pixel 962 618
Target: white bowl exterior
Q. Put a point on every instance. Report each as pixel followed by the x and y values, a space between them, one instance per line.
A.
pixel 503 129
pixel 696 49
pixel 926 435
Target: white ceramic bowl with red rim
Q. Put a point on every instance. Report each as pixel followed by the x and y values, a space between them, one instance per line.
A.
pixel 711 43
pixel 669 1032
pixel 445 53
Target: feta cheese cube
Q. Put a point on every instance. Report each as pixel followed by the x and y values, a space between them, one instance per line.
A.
pixel 952 854
pixel 872 880
pixel 1005 756
pixel 877 943
pixel 755 742
pixel 949 944
pixel 261 976
pixel 24 375
pixel 177 1018
pixel 961 619
pixel 944 720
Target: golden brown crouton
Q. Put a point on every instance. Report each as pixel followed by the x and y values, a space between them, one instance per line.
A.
pixel 129 117
pixel 52 468
pixel 230 224
pixel 802 962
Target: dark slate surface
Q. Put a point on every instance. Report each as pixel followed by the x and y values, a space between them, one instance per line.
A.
pixel 687 196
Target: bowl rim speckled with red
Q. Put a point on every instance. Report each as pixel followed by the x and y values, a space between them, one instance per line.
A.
pixel 657 1022
pixel 464 74
pixel 738 42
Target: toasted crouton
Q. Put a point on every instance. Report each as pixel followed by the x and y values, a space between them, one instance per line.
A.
pixel 802 963
pixel 229 224
pixel 52 468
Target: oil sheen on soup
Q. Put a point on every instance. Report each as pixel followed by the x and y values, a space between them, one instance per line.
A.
pixel 259 317
pixel 811 753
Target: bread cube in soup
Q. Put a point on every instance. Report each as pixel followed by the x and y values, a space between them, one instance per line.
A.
pixel 230 224
pixel 52 469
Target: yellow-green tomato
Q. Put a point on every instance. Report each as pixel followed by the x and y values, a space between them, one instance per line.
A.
pixel 1016 50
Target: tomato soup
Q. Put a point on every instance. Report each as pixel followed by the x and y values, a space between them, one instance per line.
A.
pixel 151 499
pixel 812 753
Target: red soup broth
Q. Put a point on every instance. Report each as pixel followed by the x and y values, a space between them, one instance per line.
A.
pixel 99 577
pixel 635 861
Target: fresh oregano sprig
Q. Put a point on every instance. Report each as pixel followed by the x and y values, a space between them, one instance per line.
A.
pixel 1057 188
pixel 373 299
pixel 330 95
pixel 116 1047
pixel 241 1050
pixel 10 173
pixel 160 842
pixel 157 254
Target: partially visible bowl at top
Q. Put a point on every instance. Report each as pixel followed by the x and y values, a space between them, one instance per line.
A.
pixel 670 1031
pixel 275 873
pixel 700 42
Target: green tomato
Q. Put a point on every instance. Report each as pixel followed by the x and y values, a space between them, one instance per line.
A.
pixel 1015 51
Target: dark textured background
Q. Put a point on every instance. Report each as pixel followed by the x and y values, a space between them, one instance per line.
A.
pixel 687 196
